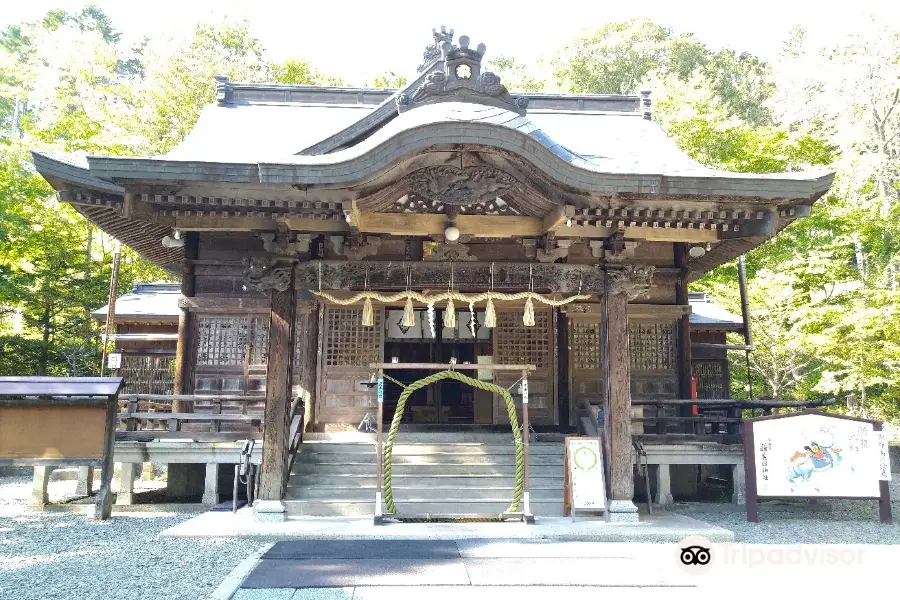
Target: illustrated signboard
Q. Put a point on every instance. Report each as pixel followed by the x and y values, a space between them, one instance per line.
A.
pixel 585 482
pixel 812 454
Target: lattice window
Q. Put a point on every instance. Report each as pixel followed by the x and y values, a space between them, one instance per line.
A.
pixel 516 344
pixel 259 341
pixel 710 376
pixel 585 344
pixel 652 346
pixel 349 344
pixel 223 341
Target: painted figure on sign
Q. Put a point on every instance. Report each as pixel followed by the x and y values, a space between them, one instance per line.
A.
pixel 813 458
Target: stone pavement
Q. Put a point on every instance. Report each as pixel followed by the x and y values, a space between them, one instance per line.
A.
pixel 485 569
pixel 657 528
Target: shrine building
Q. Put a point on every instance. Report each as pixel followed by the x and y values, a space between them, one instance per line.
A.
pixel 323 234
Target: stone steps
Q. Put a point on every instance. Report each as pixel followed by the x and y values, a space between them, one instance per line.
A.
pixel 335 475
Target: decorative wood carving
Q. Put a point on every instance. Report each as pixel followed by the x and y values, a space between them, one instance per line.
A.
pixel 633 281
pixel 459 186
pixel 362 246
pixel 553 249
pixel 449 252
pixel 264 274
pixel 347 275
pixel 283 243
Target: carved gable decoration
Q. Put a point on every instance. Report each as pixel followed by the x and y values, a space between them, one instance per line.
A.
pixel 461 80
pixel 461 187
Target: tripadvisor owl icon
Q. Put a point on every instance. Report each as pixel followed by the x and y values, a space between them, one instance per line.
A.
pixel 695 554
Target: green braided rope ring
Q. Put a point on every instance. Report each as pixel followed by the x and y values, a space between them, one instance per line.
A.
pixel 484 385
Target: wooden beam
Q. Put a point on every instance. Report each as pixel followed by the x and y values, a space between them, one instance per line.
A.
pixel 428 224
pixel 621 474
pixel 222 223
pixel 251 223
pixel 279 384
pixel 558 217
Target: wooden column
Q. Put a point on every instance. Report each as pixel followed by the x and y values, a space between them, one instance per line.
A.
pixel 279 379
pixel 623 285
pixel 184 354
pixel 684 364
pixel 622 474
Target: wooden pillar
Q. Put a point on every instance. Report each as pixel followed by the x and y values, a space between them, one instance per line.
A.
pixel 622 474
pixel 684 364
pixel 184 355
pixel 623 285
pixel 279 377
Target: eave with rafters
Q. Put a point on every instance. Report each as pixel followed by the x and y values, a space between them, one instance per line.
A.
pixel 453 148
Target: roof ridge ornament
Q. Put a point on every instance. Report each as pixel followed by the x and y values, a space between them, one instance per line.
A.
pixel 459 79
pixel 433 50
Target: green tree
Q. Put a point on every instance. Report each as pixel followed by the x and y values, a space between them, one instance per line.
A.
pixel 296 71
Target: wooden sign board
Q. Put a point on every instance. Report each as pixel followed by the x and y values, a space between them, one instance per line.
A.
pixel 47 433
pixel 55 421
pixel 813 454
pixel 585 484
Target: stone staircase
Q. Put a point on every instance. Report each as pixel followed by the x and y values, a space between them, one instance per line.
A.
pixel 439 473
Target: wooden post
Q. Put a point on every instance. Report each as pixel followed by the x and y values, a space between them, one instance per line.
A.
pixel 111 308
pixel 379 451
pixel 184 367
pixel 684 363
pixel 526 430
pixel 620 398
pixel 279 379
pixel 622 507
pixel 103 505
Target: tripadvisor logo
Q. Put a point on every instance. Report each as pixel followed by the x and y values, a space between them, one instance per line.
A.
pixel 695 555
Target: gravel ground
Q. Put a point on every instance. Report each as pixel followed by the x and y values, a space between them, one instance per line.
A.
pixel 58 555
pixel 829 522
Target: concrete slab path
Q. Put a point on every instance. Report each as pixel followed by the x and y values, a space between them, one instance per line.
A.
pixel 657 528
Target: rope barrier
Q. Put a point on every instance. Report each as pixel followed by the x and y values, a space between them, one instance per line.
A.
pixel 445 296
pixel 483 385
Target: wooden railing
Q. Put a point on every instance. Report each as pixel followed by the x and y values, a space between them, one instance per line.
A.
pixel 148 417
pixel 691 420
pixel 702 420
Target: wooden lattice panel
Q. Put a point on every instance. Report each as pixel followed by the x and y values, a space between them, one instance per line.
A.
pixel 349 343
pixel 585 345
pixel 652 346
pixel 711 382
pixel 222 341
pixel 147 374
pixel 516 344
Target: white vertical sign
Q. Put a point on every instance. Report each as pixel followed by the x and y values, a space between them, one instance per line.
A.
pixel 586 474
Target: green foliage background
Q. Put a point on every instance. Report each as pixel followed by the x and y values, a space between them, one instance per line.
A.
pixel 823 294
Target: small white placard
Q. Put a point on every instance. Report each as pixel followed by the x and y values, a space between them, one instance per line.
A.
pixel 114 361
pixel 884 457
pixel 586 474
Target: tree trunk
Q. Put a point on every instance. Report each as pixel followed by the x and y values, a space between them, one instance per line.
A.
pixel 45 343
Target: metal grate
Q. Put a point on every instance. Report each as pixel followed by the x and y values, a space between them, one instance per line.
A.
pixel 652 346
pixel 515 343
pixel 585 344
pixel 350 344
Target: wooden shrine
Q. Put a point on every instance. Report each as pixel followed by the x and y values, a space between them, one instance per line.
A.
pixel 310 226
